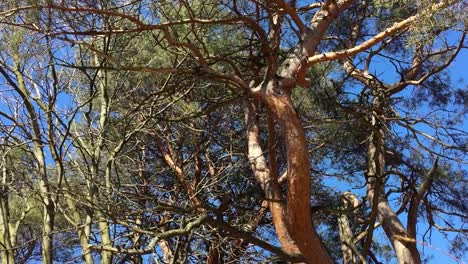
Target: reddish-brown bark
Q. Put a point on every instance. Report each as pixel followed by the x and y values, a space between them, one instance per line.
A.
pixel 299 219
pixel 266 179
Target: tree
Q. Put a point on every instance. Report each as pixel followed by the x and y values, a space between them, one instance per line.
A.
pixel 171 140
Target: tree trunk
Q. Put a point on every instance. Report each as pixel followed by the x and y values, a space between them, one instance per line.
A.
pixel 299 218
pixel 405 247
pixel 47 241
pixel 6 246
pixel 6 242
pixel 38 152
pixel 264 177
pixel 106 241
pixel 49 208
pixel 348 202
pixel 82 230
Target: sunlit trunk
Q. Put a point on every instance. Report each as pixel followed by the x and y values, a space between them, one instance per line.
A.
pixel 264 178
pixel 299 218
pixel 82 230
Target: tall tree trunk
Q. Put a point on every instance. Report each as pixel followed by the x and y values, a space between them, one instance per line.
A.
pixel 299 217
pixel 103 222
pixel 6 243
pixel 49 207
pixel 106 256
pixel 106 240
pixel 264 177
pixel 405 248
pixel 48 222
pixel 6 246
pixel 38 153
pixel 102 84
pixel 83 230
pixel 348 202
